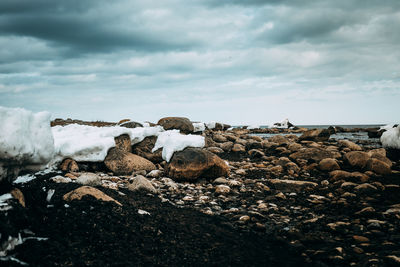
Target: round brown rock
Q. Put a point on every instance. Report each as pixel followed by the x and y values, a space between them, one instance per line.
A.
pixel 179 123
pixel 357 159
pixel 328 164
pixel 121 162
pixel 192 163
pixel 144 149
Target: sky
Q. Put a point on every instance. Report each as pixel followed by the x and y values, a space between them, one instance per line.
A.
pixel 237 62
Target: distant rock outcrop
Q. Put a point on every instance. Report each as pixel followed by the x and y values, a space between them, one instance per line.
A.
pixel 179 123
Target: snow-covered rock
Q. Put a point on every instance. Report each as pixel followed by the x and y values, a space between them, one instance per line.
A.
pixel 26 141
pixel 89 143
pixel 172 141
pixel 391 138
pixel 282 125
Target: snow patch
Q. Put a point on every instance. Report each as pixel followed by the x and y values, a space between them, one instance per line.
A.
pixel 25 139
pixel 89 143
pixel 172 141
pixel 211 125
pixel 391 138
pixel 24 179
pixel 199 127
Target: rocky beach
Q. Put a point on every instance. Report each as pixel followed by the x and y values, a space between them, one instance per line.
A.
pixel 188 193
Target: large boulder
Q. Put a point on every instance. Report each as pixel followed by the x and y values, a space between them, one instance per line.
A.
pixel 313 154
pixel 179 123
pixel 317 135
pixel 144 149
pixel 121 162
pixel 192 163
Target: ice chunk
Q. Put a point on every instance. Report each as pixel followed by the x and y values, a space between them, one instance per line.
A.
pixel 199 126
pixel 172 141
pixel 391 138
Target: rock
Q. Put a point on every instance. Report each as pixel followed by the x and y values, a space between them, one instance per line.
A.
pixel 253 144
pixel 314 154
pixel 278 139
pixel 222 189
pixel 291 185
pixel 60 179
pixel 144 149
pixel 244 218
pixel 131 124
pixel 365 188
pixel 82 191
pixel 69 165
pixel 155 174
pixel 192 163
pixel 339 175
pixel 221 180
pixel 18 195
pixel 124 163
pixel 328 164
pixel 238 148
pixel 350 145
pixel 361 239
pixel 89 178
pixel 219 138
pixel 215 150
pixel 255 153
pixel 123 142
pixel 357 159
pixel 317 135
pixel 227 146
pixel 378 166
pixel 180 123
pixel 140 183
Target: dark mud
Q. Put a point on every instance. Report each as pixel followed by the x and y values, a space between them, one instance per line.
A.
pixel 95 233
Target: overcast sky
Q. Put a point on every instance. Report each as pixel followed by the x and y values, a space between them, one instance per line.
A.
pixel 239 62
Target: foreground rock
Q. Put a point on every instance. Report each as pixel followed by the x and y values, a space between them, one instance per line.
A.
pixel 179 123
pixel 121 162
pixel 83 191
pixel 192 163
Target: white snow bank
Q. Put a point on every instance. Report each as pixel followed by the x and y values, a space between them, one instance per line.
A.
pixel 211 125
pixel 172 141
pixel 25 137
pixel 199 127
pixel 26 141
pixel 89 143
pixel 391 138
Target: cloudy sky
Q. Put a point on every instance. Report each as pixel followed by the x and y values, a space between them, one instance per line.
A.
pixel 239 62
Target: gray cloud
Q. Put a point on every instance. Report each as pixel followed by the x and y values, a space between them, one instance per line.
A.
pixel 236 61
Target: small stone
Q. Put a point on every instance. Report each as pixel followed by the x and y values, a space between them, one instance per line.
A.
pixel 139 183
pixel 60 179
pixel 220 180
pixel 244 218
pixel 360 239
pixel 280 195
pixel 365 188
pixel 18 195
pixel 238 148
pixel 222 189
